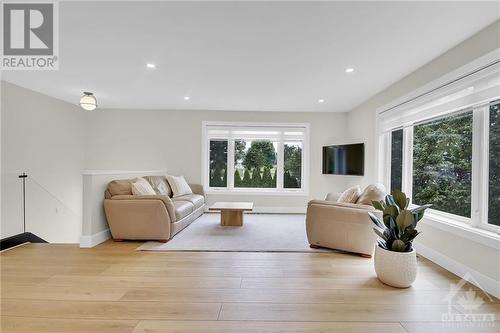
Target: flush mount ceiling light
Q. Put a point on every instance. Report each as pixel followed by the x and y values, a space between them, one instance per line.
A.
pixel 321 100
pixel 349 70
pixel 150 65
pixel 88 101
pixel 187 98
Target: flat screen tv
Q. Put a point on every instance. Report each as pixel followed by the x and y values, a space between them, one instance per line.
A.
pixel 344 159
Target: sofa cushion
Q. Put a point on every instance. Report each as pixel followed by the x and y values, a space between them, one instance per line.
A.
pixel 182 208
pixel 196 199
pixel 179 185
pixel 120 187
pixel 350 195
pixel 140 186
pixel 373 192
pixel 160 185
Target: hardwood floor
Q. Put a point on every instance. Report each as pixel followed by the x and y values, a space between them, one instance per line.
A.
pixel 113 288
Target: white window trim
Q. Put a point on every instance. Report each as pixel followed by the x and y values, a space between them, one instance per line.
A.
pixel 480 165
pixel 449 77
pixel 279 190
pixel 477 227
pixel 407 181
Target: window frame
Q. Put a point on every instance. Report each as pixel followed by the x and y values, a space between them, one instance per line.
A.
pixel 208 154
pixel 483 167
pixel 436 212
pixel 479 172
pixel 279 190
pixel 473 86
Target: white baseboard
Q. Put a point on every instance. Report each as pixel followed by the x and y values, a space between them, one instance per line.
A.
pixel 478 279
pixel 95 239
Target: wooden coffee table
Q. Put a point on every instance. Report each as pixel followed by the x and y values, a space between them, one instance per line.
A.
pixel 231 213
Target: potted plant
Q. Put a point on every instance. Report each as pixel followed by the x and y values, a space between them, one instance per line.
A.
pixel 395 258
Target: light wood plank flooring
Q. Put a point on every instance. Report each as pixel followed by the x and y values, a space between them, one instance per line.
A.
pixel 113 288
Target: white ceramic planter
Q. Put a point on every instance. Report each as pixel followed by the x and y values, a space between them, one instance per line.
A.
pixel 397 269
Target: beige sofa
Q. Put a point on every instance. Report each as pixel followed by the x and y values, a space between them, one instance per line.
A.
pixel 150 217
pixel 343 226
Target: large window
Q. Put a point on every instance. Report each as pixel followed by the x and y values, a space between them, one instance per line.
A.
pixel 494 165
pixel 253 157
pixel 442 147
pixel 442 164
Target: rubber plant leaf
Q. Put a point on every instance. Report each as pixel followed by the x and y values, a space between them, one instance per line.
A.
pixel 400 199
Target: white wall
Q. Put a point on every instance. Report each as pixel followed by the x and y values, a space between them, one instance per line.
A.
pixel 471 255
pixel 45 138
pixel 171 140
pixel 361 120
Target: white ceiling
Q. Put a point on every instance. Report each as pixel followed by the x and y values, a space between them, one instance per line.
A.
pixel 261 56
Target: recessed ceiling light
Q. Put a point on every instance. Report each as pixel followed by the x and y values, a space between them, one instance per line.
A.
pixel 321 100
pixel 187 98
pixel 349 70
pixel 150 65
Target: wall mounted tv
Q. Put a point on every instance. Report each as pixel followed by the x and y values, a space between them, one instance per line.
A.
pixel 344 159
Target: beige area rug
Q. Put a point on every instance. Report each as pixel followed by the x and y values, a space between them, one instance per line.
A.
pixel 259 233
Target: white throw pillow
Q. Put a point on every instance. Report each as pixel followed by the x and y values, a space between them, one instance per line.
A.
pixel 179 185
pixel 332 196
pixel 350 195
pixel 373 192
pixel 140 186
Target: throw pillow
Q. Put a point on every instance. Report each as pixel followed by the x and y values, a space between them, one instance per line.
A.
pixel 140 186
pixel 350 195
pixel 120 187
pixel 179 185
pixel 332 196
pixel 373 192
pixel 159 184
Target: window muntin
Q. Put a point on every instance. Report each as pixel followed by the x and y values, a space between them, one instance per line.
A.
pixel 218 163
pixel 494 165
pixel 442 164
pixel 397 160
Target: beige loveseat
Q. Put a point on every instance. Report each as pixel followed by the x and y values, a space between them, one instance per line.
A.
pixel 344 226
pixel 150 217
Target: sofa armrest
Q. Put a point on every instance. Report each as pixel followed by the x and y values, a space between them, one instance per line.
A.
pixel 341 226
pixel 136 218
pixel 197 189
pixel 169 205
